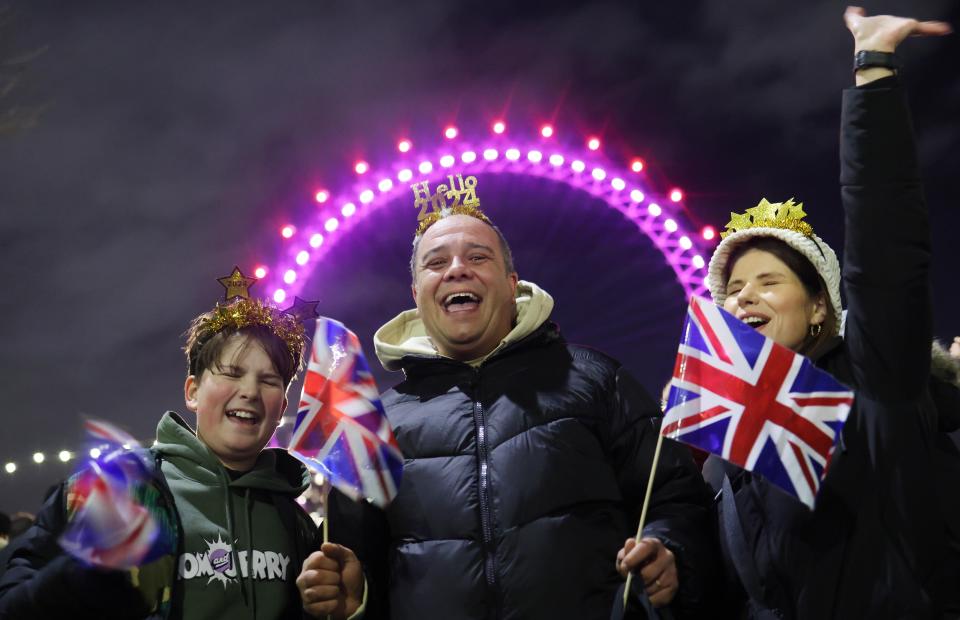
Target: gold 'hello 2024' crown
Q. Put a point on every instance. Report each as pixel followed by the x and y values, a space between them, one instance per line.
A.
pixel 462 193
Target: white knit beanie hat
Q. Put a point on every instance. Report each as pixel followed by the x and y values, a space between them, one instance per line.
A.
pixel 783 221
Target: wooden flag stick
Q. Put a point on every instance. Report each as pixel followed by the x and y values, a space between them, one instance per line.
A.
pixel 325 527
pixel 325 493
pixel 643 511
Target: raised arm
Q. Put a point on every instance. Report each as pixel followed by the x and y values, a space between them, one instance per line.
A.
pixel 886 275
pixel 887 248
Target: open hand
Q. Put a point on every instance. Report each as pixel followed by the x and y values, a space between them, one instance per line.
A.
pixel 883 33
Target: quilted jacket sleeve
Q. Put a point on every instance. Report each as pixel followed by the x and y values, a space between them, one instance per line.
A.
pixel 40 581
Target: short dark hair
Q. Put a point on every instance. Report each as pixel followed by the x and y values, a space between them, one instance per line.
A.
pixel 504 249
pixel 808 275
pixel 208 355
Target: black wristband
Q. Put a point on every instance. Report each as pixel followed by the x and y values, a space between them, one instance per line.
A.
pixel 868 58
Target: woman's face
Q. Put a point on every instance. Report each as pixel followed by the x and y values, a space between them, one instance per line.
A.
pixel 767 295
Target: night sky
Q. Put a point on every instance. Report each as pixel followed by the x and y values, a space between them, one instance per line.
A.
pixel 174 139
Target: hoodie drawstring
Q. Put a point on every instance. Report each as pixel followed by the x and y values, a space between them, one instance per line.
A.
pixel 225 479
pixel 248 501
pixel 246 583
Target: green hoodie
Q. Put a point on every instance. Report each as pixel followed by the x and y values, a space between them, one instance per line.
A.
pixel 230 521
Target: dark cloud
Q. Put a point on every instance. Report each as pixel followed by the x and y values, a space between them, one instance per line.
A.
pixel 177 138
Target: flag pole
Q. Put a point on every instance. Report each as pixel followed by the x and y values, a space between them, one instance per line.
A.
pixel 325 527
pixel 326 510
pixel 643 511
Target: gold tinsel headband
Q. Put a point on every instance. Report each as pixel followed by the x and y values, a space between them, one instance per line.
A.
pixel 786 215
pixel 463 194
pixel 240 311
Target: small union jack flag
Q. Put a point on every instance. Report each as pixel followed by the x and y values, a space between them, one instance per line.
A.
pixel 107 525
pixel 341 429
pixel 109 434
pixel 751 401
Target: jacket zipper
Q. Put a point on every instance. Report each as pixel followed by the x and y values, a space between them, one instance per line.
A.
pixel 489 565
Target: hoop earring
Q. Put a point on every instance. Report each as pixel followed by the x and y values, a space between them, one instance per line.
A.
pixel 815 329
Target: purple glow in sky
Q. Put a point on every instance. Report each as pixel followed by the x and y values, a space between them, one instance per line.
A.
pixel 588 171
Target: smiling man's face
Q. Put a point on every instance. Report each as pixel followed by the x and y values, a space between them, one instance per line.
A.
pixel 462 289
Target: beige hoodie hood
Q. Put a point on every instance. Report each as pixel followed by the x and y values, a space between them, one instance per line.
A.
pixel 405 334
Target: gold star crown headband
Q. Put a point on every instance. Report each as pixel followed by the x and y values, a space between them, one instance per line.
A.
pixel 783 221
pixel 461 194
pixel 239 311
pixel 786 215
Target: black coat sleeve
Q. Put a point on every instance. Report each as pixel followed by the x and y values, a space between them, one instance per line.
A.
pixel 886 245
pixel 41 581
pixel 679 503
pixel 363 528
pixel 888 333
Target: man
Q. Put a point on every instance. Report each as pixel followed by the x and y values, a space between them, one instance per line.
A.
pixel 526 458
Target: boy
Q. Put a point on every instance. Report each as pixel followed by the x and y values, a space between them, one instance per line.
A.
pixel 225 505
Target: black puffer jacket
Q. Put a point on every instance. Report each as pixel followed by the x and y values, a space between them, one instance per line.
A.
pixel 523 478
pixel 882 541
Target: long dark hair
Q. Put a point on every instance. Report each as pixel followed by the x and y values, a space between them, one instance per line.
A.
pixel 805 272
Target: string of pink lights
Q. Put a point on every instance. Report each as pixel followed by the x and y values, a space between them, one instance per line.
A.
pixel 659 217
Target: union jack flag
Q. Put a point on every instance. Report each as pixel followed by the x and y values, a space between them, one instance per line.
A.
pixel 108 526
pixel 110 434
pixel 341 429
pixel 751 401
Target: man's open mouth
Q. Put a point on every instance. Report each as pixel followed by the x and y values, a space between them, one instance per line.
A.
pixel 461 301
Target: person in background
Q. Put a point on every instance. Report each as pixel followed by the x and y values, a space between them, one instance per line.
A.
pixel 4 529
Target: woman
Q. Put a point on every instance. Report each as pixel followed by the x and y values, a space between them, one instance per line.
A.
pixel 879 543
